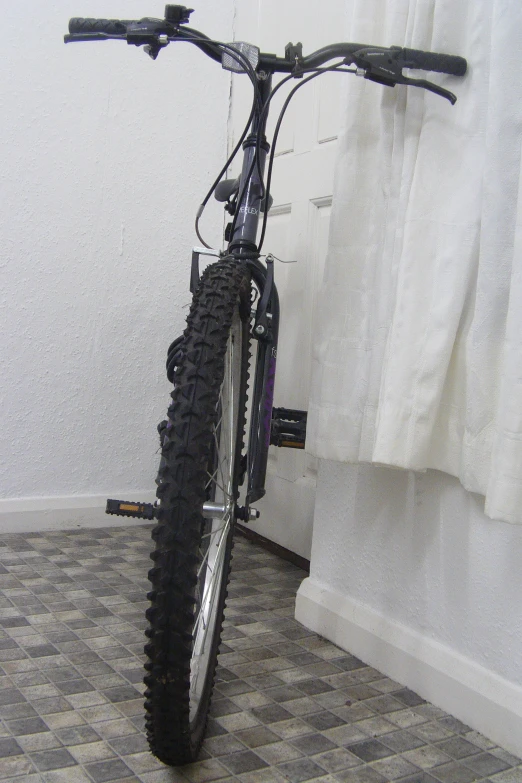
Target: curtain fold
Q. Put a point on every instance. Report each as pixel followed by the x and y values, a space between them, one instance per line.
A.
pixel 418 357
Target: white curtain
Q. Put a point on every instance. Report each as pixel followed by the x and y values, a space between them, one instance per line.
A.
pixel 418 358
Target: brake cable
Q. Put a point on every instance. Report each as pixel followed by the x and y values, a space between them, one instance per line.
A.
pixel 256 161
pixel 240 58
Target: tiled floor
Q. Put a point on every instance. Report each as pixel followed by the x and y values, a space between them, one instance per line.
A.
pixel 289 706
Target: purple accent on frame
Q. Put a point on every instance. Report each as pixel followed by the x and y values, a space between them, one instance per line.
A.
pixel 269 400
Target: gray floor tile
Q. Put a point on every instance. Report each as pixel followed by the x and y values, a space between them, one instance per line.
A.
pixel 26 726
pixel 363 775
pixel 337 760
pixel 352 712
pixel 11 696
pixel 75 735
pixel 458 747
pixel 45 740
pixel 485 764
pixel 321 721
pixel 57 758
pixel 303 706
pixel 401 741
pixel 431 732
pixel 370 750
pixel 244 761
pixel 407 697
pixel 271 714
pixel 9 747
pixel 14 766
pixel 455 725
pixel 394 768
pixel 509 776
pixel 132 743
pixel 511 760
pixel 454 773
pixel 311 744
pixel 225 745
pixel 42 650
pixel 283 693
pixel 301 770
pixel 479 740
pixel 376 726
pixel 91 751
pixel 288 707
pixel 257 736
pixel 427 756
pixel 384 704
pixel 112 769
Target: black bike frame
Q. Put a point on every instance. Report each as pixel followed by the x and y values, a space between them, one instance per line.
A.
pixel 243 247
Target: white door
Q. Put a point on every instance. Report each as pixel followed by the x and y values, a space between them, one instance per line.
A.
pixel 297 231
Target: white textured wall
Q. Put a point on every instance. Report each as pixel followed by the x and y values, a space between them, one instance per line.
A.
pixel 418 549
pixel 409 573
pixel 106 155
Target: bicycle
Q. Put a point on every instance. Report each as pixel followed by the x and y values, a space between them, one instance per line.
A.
pixel 232 328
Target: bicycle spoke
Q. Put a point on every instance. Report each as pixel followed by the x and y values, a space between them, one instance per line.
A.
pixel 218 485
pixel 209 588
pixel 220 489
pixel 211 478
pixel 207 535
pixel 207 553
pixel 220 468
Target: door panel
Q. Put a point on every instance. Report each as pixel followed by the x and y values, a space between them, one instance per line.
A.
pixel 297 231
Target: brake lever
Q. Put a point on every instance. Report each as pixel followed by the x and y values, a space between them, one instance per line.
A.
pixel 153 50
pixel 72 37
pixel 426 85
pixel 384 67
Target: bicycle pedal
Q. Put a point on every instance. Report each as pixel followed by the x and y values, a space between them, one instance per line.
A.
pixel 288 428
pixel 126 508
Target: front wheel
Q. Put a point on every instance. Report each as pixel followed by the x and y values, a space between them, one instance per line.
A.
pixel 200 465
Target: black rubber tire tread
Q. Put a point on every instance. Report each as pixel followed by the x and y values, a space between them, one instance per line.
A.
pixel 186 451
pixel 108 26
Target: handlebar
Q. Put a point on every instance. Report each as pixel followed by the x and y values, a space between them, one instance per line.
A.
pixel 103 29
pixel 380 64
pixel 138 32
pixel 409 58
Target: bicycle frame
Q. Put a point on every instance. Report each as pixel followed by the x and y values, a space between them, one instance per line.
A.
pixel 242 246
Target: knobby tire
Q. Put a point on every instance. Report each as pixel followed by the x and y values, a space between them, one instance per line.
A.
pixel 191 439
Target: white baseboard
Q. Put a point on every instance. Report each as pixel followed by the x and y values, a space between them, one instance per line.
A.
pixel 23 515
pixel 475 695
pixel 293 502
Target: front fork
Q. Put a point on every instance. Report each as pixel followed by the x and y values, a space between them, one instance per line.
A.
pixel 264 381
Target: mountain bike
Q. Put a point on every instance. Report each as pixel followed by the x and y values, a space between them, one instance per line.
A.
pixel 221 421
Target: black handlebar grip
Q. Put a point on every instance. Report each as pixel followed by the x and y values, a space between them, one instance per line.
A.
pixel 431 61
pixel 107 26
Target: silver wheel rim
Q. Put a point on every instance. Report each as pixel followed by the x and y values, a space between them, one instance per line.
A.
pixel 214 541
